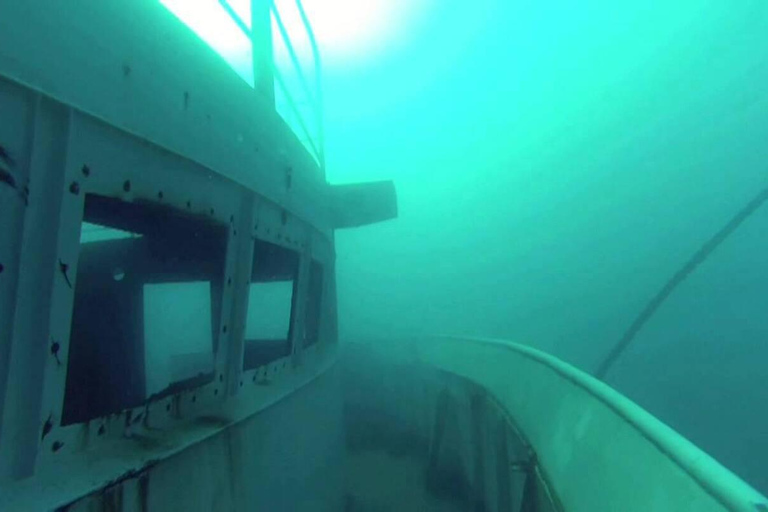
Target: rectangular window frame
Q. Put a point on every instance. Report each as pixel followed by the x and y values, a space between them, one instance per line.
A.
pixel 265 359
pixel 272 224
pixel 131 171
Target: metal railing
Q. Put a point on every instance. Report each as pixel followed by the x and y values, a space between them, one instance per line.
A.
pixel 316 145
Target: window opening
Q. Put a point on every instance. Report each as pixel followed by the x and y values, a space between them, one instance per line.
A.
pixel 314 304
pixel 177 333
pixel 146 309
pixel 271 301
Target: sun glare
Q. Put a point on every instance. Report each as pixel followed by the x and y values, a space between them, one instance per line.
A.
pixel 348 28
pixel 348 32
pixel 345 29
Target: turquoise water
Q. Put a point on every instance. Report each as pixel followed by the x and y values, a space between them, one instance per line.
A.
pixel 556 164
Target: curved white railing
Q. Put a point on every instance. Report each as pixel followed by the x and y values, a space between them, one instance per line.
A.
pixel 596 448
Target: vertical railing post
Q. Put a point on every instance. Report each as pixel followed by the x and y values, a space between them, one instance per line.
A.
pixel 261 36
pixel 318 86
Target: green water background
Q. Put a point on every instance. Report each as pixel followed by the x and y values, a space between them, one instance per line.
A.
pixel 556 163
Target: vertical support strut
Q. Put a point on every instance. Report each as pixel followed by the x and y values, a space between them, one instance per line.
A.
pixel 261 37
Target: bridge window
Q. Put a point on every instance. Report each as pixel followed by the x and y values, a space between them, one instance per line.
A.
pixel 146 308
pixel 271 301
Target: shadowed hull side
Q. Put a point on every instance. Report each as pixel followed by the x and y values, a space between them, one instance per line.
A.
pixel 287 457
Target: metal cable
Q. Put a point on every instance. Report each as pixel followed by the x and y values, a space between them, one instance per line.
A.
pixel 697 259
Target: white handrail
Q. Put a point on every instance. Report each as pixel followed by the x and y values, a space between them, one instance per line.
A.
pixel 315 100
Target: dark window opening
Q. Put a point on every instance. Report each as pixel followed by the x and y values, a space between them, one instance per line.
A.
pixel 146 309
pixel 313 305
pixel 271 300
